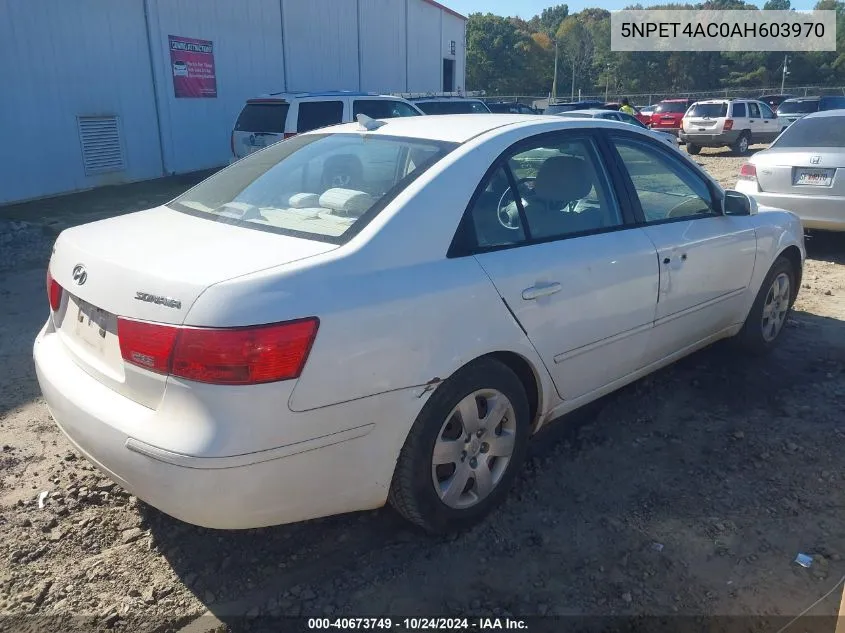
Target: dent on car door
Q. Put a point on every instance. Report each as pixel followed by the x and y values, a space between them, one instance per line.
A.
pixel 706 258
pixel 581 281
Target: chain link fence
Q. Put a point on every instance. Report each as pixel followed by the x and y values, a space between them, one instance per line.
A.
pixel 648 98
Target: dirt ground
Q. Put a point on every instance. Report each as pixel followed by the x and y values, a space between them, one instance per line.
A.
pixel 688 493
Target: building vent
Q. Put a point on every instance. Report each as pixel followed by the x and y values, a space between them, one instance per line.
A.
pixel 102 149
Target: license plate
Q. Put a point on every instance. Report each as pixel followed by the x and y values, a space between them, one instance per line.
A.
pixel 814 177
pixel 91 325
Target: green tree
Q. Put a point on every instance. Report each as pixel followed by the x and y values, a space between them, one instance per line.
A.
pixel 777 5
pixel 575 43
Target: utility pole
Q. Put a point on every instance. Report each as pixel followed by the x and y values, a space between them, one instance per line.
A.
pixel 554 81
pixel 785 73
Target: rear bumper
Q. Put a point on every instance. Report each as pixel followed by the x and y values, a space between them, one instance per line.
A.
pixel 707 140
pixel 826 213
pixel 323 475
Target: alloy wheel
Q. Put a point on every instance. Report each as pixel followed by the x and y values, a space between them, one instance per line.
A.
pixel 775 307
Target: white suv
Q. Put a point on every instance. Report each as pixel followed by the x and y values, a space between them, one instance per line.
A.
pixel 273 117
pixel 736 123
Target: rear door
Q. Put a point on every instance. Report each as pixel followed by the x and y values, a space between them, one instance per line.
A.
pixel 260 123
pixel 578 277
pixel 706 259
pixel 771 124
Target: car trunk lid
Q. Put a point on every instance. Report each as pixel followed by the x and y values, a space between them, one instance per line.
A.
pixel 150 266
pixel 805 171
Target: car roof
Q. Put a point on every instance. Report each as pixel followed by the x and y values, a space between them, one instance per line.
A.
pixel 418 99
pixel 322 93
pixel 460 128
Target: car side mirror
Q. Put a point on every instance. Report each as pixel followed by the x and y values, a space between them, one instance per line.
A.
pixel 737 203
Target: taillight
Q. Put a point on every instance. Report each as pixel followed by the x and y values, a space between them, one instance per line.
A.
pixel 230 356
pixel 289 135
pixel 54 292
pixel 729 124
pixel 748 172
pixel 148 345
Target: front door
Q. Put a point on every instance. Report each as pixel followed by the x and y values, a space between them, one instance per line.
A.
pixel 580 281
pixel 706 259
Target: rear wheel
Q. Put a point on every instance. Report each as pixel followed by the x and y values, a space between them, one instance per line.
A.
pixel 741 145
pixel 767 317
pixel 464 450
pixel 693 149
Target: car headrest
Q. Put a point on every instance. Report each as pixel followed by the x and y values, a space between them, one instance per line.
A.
pixel 303 200
pixel 563 179
pixel 346 202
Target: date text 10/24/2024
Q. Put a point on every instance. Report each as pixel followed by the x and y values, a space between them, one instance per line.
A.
pixel 419 624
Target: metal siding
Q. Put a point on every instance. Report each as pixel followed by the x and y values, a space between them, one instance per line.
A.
pixel 60 60
pixel 453 29
pixel 248 61
pixel 382 45
pixel 322 44
pixel 425 62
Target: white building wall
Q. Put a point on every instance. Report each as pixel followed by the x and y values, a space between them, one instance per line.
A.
pixel 248 59
pixel 321 44
pixel 382 40
pixel 425 62
pixel 60 60
pixel 453 31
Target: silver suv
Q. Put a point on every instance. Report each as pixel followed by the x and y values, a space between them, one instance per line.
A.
pixel 736 123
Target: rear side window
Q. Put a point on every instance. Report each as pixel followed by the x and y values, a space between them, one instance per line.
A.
pixel 317 114
pixel 799 106
pixel 382 108
pixel 263 117
pixel 738 110
pixel 709 110
pixel 821 132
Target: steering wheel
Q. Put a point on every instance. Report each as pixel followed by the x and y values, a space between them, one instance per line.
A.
pixel 690 206
pixel 508 213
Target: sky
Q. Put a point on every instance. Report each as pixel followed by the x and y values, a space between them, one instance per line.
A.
pixel 529 8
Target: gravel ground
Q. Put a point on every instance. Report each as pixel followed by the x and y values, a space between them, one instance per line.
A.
pixel 689 492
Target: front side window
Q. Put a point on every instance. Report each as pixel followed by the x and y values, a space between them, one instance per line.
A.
pixel 317 114
pixel 766 111
pixel 738 110
pixel 666 189
pixel 631 120
pixel 317 186
pixel 753 111
pixel 548 190
pixel 382 108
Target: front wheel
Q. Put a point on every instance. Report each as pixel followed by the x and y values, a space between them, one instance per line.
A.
pixel 767 317
pixel 693 149
pixel 464 450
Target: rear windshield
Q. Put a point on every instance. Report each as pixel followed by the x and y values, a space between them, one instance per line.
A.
pixel 671 106
pixel 798 107
pixel 325 187
pixel 453 107
pixel 832 103
pixel 813 132
pixel 263 117
pixel 709 110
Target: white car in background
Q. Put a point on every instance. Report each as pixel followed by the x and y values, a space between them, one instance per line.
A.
pixel 803 170
pixel 624 117
pixel 734 123
pixel 267 348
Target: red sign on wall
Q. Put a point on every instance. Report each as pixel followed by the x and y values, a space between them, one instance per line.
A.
pixel 192 64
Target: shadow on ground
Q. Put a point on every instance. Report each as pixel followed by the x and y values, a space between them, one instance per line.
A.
pixel 717 458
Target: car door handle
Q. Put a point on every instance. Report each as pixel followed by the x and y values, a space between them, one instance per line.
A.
pixel 541 290
pixel 752 120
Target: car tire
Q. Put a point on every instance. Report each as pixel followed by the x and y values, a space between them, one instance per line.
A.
pixel 740 146
pixel 693 149
pixel 442 494
pixel 757 336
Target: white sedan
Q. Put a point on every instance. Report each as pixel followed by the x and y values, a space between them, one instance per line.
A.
pixel 271 347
